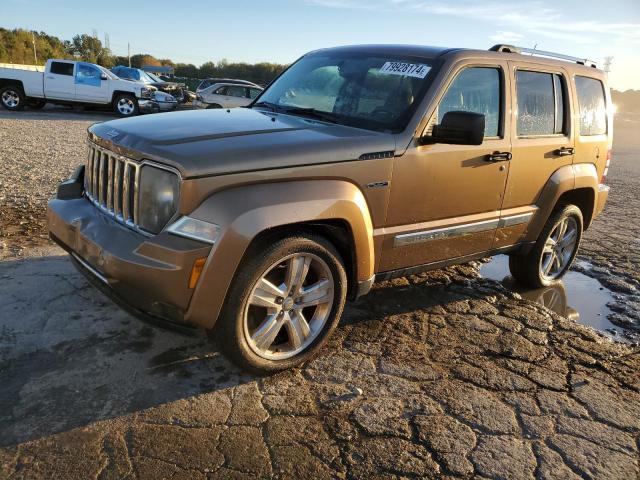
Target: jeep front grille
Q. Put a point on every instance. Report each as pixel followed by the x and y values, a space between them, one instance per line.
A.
pixel 111 183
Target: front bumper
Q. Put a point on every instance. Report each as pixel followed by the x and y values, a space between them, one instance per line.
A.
pixel 146 105
pixel 603 195
pixel 167 106
pixel 148 274
pixel 199 104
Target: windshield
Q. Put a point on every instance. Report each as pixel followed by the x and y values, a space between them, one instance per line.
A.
pixel 146 77
pixel 361 90
pixel 153 77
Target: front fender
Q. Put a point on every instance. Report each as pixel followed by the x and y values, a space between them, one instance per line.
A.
pixel 246 211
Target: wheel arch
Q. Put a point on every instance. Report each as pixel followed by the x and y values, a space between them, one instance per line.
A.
pixel 115 94
pixel 335 209
pixel 577 184
pixel 7 82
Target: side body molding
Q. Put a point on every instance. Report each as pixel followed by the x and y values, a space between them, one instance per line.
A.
pixel 244 212
pixel 565 179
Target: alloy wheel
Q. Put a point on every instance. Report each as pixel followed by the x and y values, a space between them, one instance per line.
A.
pixel 288 306
pixel 125 106
pixel 10 98
pixel 559 248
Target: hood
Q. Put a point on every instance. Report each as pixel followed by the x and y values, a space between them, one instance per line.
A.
pixel 216 142
pixel 166 85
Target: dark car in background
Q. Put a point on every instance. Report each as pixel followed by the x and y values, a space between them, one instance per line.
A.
pixel 177 90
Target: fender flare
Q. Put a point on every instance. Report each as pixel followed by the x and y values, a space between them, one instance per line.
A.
pixel 247 211
pixel 566 179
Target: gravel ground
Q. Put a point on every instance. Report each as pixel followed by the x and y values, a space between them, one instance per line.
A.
pixel 38 150
pixel 441 375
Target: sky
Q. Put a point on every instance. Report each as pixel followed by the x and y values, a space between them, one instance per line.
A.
pixel 197 31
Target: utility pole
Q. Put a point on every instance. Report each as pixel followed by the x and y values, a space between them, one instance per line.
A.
pixel 607 64
pixel 33 41
pixel 129 53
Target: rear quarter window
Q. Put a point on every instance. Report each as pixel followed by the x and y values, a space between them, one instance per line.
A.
pixel 62 68
pixel 591 102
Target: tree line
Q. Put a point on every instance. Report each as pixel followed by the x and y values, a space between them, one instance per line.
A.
pixel 16 46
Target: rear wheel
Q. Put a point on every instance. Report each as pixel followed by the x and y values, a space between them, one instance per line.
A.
pixel 284 303
pixel 125 105
pixel 12 98
pixel 554 251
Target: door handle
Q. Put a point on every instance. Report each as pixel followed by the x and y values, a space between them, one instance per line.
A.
pixel 50 77
pixel 563 151
pixel 498 157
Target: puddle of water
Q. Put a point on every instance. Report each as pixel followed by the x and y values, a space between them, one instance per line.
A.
pixel 577 297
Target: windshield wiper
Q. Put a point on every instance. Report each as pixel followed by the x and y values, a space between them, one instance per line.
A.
pixel 271 106
pixel 312 112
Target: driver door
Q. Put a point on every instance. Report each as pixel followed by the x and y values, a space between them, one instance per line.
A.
pixel 90 87
pixel 445 199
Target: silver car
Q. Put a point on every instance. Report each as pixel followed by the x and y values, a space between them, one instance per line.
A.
pixel 225 93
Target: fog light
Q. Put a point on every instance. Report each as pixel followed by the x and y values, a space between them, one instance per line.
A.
pixel 198 266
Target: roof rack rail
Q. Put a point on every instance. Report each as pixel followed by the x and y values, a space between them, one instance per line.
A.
pixel 542 53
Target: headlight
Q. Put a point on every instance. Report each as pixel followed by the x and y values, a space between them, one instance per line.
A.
pixel 164 97
pixel 146 92
pixel 159 191
pixel 196 229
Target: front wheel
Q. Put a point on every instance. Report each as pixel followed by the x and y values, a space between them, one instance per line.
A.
pixel 554 251
pixel 125 105
pixel 285 301
pixel 12 98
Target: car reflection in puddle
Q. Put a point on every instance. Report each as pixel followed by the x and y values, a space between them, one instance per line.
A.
pixel 577 297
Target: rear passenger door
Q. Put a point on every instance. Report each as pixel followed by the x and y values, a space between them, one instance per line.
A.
pixel 542 142
pixel 59 81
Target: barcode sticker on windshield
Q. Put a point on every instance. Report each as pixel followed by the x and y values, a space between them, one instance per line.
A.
pixel 417 70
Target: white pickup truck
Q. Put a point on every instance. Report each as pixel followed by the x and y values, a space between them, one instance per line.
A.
pixel 69 82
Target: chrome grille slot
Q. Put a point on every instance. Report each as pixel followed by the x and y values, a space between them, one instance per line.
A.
pixel 111 183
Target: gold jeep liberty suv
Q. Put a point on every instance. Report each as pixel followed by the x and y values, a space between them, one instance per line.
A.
pixel 356 164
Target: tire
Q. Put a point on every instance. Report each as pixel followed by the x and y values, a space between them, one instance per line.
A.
pixel 125 105
pixel 548 260
pixel 12 98
pixel 36 104
pixel 214 105
pixel 291 332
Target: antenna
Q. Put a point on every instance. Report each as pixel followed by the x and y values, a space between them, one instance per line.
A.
pixel 33 41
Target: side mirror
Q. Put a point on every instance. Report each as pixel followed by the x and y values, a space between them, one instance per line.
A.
pixel 459 128
pixel 103 76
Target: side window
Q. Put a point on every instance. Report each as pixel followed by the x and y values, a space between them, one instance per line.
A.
pixel 540 99
pixel 235 91
pixel 253 92
pixel 593 113
pixel 87 75
pixel 221 91
pixel 475 89
pixel 62 68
